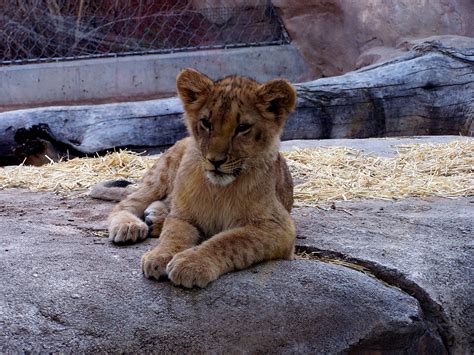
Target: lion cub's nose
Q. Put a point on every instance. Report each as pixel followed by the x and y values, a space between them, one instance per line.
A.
pixel 217 163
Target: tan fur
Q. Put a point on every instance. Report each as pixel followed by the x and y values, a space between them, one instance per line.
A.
pixel 103 191
pixel 219 199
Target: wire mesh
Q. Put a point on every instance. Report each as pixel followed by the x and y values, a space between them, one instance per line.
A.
pixel 54 30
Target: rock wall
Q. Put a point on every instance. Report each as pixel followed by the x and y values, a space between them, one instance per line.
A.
pixel 337 36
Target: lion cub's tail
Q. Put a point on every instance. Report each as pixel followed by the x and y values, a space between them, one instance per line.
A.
pixel 112 190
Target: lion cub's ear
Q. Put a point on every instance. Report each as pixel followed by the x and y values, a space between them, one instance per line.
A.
pixel 193 87
pixel 277 97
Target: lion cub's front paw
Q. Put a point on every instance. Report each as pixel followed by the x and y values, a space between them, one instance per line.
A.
pixel 127 228
pixel 188 268
pixel 154 263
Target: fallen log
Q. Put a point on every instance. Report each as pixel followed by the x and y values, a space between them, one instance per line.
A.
pixel 428 91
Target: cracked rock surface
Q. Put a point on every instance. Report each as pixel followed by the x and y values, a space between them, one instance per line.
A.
pixel 422 246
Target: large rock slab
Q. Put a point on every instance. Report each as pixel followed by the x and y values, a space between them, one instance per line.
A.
pixel 66 288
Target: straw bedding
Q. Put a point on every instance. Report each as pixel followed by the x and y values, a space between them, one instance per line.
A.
pixel 418 170
pixel 323 175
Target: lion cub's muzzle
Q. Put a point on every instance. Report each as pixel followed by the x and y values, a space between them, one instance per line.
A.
pixel 223 172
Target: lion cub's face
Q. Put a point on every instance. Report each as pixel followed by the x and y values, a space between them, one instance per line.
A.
pixel 234 120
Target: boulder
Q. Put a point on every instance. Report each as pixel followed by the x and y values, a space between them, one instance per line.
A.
pixel 332 34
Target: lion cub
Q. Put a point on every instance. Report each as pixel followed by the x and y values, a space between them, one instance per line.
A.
pixel 219 200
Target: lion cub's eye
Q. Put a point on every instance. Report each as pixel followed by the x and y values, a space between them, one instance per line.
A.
pixel 243 128
pixel 205 124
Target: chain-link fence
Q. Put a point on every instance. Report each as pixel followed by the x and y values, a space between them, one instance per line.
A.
pixel 52 30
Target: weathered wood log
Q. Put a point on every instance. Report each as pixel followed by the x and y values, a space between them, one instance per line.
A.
pixel 428 91
pixel 84 130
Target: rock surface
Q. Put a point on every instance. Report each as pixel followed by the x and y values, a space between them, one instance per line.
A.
pixel 64 289
pixel 337 36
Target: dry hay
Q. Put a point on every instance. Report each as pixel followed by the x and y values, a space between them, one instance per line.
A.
pixel 418 170
pixel 314 255
pixel 327 174
pixel 319 256
pixel 77 174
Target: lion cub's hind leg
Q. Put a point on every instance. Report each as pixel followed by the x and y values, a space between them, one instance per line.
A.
pixel 126 224
pixel 155 215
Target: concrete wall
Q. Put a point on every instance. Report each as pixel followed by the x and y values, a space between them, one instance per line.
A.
pixel 135 77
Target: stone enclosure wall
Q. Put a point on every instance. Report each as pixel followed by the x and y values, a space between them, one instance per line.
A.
pixel 337 36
